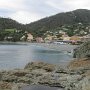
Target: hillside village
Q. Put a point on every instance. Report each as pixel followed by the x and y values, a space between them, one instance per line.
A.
pixel 69 27
pixel 62 35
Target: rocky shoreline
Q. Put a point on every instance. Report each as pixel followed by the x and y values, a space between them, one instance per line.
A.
pixel 75 76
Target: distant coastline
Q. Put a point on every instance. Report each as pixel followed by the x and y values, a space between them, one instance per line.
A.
pixel 66 47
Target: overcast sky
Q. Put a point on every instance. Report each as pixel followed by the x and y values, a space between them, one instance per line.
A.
pixel 26 11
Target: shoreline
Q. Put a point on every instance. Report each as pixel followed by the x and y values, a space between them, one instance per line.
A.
pixel 58 47
pixel 67 47
pixel 75 76
pixel 48 47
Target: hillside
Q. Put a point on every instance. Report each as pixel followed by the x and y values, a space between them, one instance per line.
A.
pixel 76 16
pixel 53 22
pixel 7 23
pixel 73 22
pixel 8 30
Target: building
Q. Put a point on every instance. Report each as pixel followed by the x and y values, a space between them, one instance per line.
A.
pixel 29 37
pixel 39 40
pixel 75 38
pixel 65 37
pixel 48 38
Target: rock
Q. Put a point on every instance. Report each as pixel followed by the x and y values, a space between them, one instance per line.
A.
pixel 39 73
pixel 84 84
pixel 61 70
pixel 79 63
pixel 5 86
pixel 15 87
pixel 40 65
pixel 9 78
pixel 24 80
pixel 20 73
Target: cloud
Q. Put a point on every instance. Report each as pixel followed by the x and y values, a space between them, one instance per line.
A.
pixel 25 17
pixel 12 4
pixel 26 11
pixel 67 5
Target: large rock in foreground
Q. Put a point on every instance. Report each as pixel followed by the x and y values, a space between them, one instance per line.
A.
pixel 75 77
pixel 40 65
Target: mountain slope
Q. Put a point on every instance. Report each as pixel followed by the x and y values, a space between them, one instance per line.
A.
pixel 52 22
pixel 7 23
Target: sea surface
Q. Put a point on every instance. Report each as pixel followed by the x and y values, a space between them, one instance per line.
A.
pixel 13 56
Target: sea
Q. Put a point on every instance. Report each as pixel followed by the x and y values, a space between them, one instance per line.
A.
pixel 17 55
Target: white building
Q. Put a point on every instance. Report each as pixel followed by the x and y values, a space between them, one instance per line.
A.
pixel 29 37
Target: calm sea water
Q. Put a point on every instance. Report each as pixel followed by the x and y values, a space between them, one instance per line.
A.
pixel 17 56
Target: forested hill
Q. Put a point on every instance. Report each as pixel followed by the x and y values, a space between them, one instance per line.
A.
pixel 7 23
pixel 51 23
pixel 72 17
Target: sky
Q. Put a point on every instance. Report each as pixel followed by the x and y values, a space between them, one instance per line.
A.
pixel 27 11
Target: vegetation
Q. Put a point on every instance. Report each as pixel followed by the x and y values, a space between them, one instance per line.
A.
pixel 70 19
pixel 73 23
pixel 11 35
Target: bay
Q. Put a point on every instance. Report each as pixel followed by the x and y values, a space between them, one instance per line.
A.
pixel 14 56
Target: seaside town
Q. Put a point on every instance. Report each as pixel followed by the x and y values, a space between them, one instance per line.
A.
pixel 56 37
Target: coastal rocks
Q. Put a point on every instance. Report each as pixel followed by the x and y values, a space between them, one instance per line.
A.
pixel 20 73
pixel 11 86
pixel 5 86
pixel 74 77
pixel 80 63
pixel 24 80
pixel 80 66
pixel 84 84
pixel 9 78
pixel 65 81
pixel 40 65
pixel 13 76
pixel 60 70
